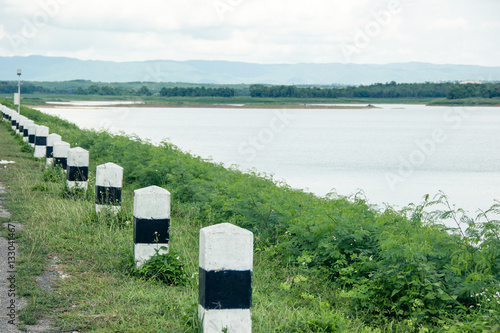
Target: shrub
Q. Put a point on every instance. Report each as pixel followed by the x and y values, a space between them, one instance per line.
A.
pixel 165 268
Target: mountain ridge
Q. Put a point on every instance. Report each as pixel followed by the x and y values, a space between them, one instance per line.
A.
pixel 42 68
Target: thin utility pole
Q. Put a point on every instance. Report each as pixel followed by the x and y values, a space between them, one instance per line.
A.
pixel 19 90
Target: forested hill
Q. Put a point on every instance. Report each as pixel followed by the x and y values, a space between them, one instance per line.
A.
pixel 38 68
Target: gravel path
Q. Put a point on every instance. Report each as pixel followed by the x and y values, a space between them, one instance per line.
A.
pixel 8 296
pixel 9 301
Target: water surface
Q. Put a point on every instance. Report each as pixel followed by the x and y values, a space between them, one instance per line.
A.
pixel 395 153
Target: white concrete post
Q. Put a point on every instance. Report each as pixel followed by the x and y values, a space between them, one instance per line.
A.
pixel 41 134
pixel 19 125
pixel 49 155
pixel 27 123
pixel 77 172
pixel 60 154
pixel 225 290
pixel 31 134
pixel 8 114
pixel 151 222
pixel 108 187
pixel 20 129
pixel 13 120
pixel 5 113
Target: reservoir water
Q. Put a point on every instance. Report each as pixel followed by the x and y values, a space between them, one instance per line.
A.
pixel 395 154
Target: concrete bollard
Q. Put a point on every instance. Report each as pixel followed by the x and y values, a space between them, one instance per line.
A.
pixel 4 112
pixel 18 123
pixel 31 134
pixel 60 154
pixel 8 114
pixel 41 134
pixel 27 123
pixel 49 153
pixel 108 187
pixel 22 121
pixel 225 290
pixel 151 222
pixel 13 120
pixel 77 172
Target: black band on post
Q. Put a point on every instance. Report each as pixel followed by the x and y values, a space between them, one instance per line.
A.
pixel 78 174
pixel 108 195
pixel 225 289
pixel 61 162
pixel 151 231
pixel 40 141
pixel 31 138
pixel 49 152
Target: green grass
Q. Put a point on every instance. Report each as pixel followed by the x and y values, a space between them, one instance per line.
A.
pixel 99 295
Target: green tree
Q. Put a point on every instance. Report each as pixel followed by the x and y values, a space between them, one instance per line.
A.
pixel 93 90
pixel 144 91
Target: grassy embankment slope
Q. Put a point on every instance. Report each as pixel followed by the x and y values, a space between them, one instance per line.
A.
pixel 321 264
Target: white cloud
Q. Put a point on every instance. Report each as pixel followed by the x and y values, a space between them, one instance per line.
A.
pixel 255 30
pixel 449 24
pixel 137 16
pixel 490 26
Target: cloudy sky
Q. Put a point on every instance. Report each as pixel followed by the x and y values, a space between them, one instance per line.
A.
pixel 260 31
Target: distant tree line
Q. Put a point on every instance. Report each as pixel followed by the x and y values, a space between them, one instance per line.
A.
pixel 10 88
pixel 486 90
pixel 112 91
pixel 448 90
pixel 381 90
pixel 197 92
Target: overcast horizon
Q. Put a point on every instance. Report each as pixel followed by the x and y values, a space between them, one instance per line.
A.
pixel 254 31
pixel 250 62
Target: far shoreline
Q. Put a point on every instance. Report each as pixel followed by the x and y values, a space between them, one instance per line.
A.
pixel 213 106
pixel 340 106
pixel 244 102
